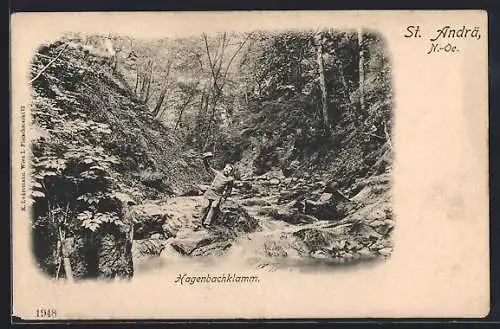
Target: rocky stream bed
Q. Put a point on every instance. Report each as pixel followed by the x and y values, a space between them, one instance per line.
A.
pixel 270 223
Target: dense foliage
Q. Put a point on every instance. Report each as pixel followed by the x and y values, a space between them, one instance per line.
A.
pixel 95 151
pixel 257 98
pixel 120 120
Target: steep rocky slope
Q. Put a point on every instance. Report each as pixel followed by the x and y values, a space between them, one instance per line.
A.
pixel 96 150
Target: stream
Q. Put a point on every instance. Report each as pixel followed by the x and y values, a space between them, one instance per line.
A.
pixel 272 247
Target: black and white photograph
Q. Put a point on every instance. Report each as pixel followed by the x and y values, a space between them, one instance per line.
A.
pixel 222 157
pixel 268 147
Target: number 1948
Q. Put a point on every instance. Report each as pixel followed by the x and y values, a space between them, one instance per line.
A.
pixel 46 313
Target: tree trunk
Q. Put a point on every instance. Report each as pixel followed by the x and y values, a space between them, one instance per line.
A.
pixel 150 80
pixel 181 110
pixel 203 117
pixel 324 95
pixel 218 75
pixel 163 93
pixel 143 85
pixel 361 70
pixel 136 81
pixel 200 111
pixel 65 256
pixel 145 77
pixel 160 102
pixel 115 64
pixel 210 118
pixel 161 112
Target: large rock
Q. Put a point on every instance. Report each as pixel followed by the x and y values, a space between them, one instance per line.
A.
pixel 83 258
pixel 252 202
pixel 236 217
pixel 148 247
pixel 378 215
pixel 373 189
pixel 149 219
pixel 245 187
pixel 315 239
pixel 212 249
pixel 346 242
pixel 114 256
pixel 274 181
pixel 146 253
pixel 181 225
pixel 296 193
pixel 192 190
pixel 106 254
pixel 330 206
pixel 289 213
pixel 365 228
pixel 187 243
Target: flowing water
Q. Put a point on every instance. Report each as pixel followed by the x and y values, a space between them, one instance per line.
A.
pixel 272 247
pixel 279 245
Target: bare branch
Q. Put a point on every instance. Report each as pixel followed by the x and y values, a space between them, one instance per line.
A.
pixel 163 93
pixel 50 63
pixel 210 60
pixel 221 57
pixel 233 57
pixel 182 108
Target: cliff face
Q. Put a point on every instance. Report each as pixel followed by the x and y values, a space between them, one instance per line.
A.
pixel 98 149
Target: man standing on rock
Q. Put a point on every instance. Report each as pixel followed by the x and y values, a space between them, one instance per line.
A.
pixel 218 191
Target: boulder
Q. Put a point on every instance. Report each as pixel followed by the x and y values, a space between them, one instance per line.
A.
pixel 320 254
pixel 365 253
pixel 315 239
pixel 255 202
pixel 273 249
pixel 106 254
pixel 148 247
pixel 244 186
pixel 203 188
pixel 344 242
pixel 292 195
pixel 114 255
pixel 189 238
pixel 289 213
pixel 373 213
pixel 186 244
pixel 192 190
pixel 328 207
pixel 214 249
pixel 381 244
pixel 319 185
pixel 274 181
pixel 236 217
pixel 383 227
pixel 148 219
pixel 294 217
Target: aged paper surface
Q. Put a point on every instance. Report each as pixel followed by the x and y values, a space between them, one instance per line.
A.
pixel 439 266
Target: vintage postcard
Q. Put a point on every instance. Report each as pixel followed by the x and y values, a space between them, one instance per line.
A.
pixel 237 165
